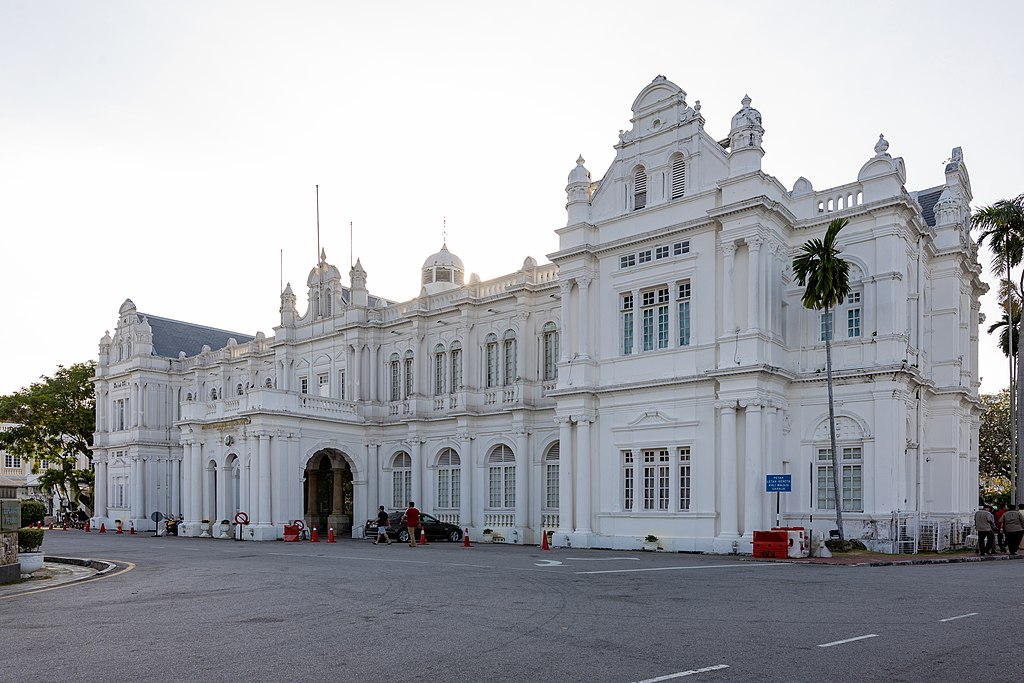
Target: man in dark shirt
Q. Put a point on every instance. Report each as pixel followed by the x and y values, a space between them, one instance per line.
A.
pixel 412 522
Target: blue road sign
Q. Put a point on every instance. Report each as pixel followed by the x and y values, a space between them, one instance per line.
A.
pixel 776 483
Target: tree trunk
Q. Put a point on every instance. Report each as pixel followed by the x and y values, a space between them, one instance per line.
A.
pixel 836 474
pixel 1011 357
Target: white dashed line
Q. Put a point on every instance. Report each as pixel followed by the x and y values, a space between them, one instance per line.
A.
pixel 667 569
pixel 849 640
pixel 680 674
pixel 959 616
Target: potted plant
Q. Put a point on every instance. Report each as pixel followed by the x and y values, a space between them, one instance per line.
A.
pixel 225 529
pixel 204 525
pixel 488 535
pixel 29 554
pixel 650 542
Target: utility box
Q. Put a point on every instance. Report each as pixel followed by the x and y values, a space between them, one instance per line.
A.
pixel 291 533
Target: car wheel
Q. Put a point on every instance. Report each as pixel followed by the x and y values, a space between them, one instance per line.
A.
pixel 454 535
pixel 403 535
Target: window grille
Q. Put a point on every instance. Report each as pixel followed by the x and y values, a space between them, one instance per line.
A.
pixel 678 177
pixel 640 188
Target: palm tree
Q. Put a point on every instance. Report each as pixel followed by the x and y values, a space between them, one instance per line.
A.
pixel 1002 225
pixel 827 278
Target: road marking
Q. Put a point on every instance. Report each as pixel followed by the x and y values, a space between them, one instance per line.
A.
pixel 680 674
pixel 603 559
pixel 849 640
pixel 959 616
pixel 666 569
pixel 547 563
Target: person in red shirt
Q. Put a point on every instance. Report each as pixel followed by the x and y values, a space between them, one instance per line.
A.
pixel 412 522
pixel 1000 536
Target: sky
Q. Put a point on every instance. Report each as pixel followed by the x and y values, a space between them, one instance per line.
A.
pixel 168 152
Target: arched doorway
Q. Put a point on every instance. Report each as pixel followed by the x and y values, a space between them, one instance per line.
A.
pixel 328 493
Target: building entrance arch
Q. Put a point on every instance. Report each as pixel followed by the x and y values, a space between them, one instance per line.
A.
pixel 327 496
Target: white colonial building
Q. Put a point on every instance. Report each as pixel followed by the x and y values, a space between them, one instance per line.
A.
pixel 644 382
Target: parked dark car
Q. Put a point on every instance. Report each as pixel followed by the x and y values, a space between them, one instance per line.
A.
pixel 435 528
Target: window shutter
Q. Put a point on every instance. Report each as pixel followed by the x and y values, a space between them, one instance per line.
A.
pixel 640 188
pixel 678 177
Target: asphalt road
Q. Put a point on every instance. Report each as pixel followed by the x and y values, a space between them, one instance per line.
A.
pixel 206 610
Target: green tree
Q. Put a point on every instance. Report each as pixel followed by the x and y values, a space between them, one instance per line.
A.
pixel 994 461
pixel 1002 226
pixel 55 419
pixel 827 279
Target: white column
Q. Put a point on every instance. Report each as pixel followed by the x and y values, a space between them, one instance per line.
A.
pixel 727 498
pixel 175 476
pixel 223 478
pixel 754 284
pixel 372 476
pixel 357 373
pixel 565 288
pixel 583 285
pixel 728 298
pixel 416 452
pixel 133 478
pixel 195 483
pixel 773 464
pixel 583 475
pixel 753 470
pixel 184 472
pixel 466 483
pixel 100 504
pixel 638 324
pixel 264 511
pixel 522 469
pixel 565 476
pixel 374 373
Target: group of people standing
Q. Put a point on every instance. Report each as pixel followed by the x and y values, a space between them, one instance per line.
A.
pixel 1006 524
pixel 410 520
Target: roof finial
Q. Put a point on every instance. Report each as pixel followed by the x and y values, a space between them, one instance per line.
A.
pixel 444 231
pixel 882 145
pixel 745 101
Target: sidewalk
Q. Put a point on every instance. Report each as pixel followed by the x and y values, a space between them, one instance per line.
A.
pixel 52 574
pixel 865 558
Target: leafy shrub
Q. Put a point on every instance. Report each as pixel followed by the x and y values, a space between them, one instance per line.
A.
pixel 29 540
pixel 32 512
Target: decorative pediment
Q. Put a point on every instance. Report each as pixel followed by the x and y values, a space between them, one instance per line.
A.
pixel 650 417
pixel 847 429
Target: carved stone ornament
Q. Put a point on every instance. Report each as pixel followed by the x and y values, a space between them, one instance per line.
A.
pixel 881 146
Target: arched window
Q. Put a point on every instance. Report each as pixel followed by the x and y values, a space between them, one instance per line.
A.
pixel 439 374
pixel 551 478
pixel 491 358
pixel 455 363
pixel 189 396
pixel 639 188
pixel 501 478
pixel 316 304
pixel 550 334
pixel 678 176
pixel 509 349
pixel 327 302
pixel 238 389
pixel 213 394
pixel 449 470
pixel 401 479
pixel 269 383
pixel 408 374
pixel 396 375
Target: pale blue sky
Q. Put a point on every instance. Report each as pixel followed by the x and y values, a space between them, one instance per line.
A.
pixel 166 151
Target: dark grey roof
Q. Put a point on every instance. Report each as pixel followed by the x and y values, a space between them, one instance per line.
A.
pixel 927 200
pixel 173 336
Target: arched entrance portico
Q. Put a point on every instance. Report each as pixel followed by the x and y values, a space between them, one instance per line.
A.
pixel 327 498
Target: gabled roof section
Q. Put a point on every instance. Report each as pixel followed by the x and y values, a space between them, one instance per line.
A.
pixel 927 200
pixel 171 337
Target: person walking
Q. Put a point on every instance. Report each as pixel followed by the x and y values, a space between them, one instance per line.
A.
pixel 985 523
pixel 1000 534
pixel 412 522
pixel 1013 527
pixel 382 526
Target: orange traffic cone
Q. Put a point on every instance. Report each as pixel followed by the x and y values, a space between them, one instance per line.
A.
pixel 39 524
pixel 465 539
pixel 103 528
pixel 544 540
pixel 314 538
pixel 51 526
pixel 131 531
pixel 86 526
pixel 120 528
pixel 65 525
pixel 330 535
pixel 423 536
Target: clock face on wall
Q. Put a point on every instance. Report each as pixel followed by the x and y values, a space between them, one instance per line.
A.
pixel 228 440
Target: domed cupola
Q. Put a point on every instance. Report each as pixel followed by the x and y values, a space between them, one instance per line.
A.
pixel 745 136
pixel 442 271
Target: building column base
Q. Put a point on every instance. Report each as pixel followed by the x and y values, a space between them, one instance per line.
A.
pixel 726 544
pixel 267 532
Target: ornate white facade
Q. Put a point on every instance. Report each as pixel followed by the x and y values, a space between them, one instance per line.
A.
pixel 644 382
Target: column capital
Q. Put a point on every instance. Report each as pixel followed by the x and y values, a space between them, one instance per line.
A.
pixel 754 243
pixel 582 419
pixel 752 403
pixel 729 249
pixel 584 282
pixel 729 404
pixel 565 285
pixel 563 419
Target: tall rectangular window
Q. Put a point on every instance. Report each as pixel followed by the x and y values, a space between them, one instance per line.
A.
pixel 408 377
pixel 510 360
pixel 501 486
pixel 120 413
pixel 853 314
pixel 683 300
pixel 628 474
pixel 341 385
pixel 492 364
pixel 627 324
pixel 664 479
pixel 439 373
pixel 456 369
pixel 650 474
pixel 654 316
pixel 550 343
pixel 304 385
pixel 323 384
pixel 826 326
pixel 551 485
pixel 851 475
pixel 684 478
pixel 444 488
pixel 401 487
pixel 396 383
